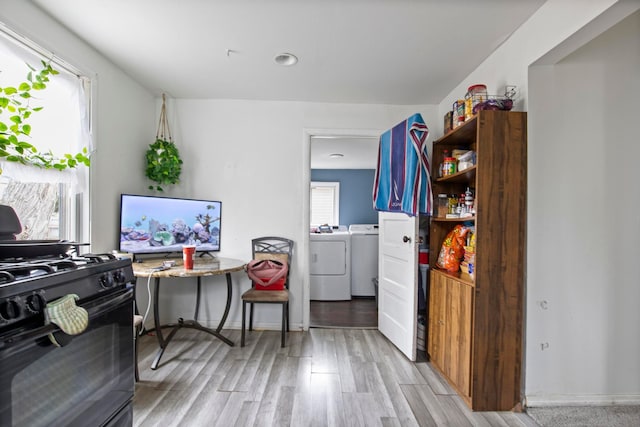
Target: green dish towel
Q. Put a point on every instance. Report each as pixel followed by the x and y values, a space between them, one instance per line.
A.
pixel 64 313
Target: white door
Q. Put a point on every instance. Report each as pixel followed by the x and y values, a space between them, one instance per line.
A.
pixel 398 280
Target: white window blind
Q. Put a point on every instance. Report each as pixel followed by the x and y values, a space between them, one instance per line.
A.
pixel 325 209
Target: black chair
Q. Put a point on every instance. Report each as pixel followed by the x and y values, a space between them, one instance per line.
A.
pixel 275 248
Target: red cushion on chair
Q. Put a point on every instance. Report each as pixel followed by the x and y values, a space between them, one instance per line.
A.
pixel 278 285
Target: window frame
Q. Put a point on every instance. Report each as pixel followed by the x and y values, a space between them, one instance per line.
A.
pixel 335 188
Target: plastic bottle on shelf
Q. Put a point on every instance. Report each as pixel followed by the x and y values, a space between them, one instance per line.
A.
pixel 445 154
pixel 476 94
pixel 461 205
pixel 450 166
pixel 468 199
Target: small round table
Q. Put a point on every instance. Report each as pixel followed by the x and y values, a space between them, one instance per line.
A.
pixel 202 267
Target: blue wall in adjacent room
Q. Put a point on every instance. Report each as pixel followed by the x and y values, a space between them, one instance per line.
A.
pixel 356 193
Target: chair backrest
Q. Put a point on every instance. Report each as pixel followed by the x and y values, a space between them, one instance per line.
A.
pixel 277 248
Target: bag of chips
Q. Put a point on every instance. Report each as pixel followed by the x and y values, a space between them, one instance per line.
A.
pixel 452 251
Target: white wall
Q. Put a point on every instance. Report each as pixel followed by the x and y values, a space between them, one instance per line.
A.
pixel 584 224
pixel 124 117
pixel 554 22
pixel 579 250
pixel 254 157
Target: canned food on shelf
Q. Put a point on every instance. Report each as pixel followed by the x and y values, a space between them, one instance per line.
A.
pixel 458 113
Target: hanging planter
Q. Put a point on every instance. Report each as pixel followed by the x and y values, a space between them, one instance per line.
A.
pixel 163 159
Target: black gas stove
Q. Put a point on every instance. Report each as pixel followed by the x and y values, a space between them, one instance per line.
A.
pixel 28 284
pixel 56 376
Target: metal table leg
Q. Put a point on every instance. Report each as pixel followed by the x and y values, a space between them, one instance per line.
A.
pixel 226 309
pixel 188 323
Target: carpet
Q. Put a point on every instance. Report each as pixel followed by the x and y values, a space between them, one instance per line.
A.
pixel 586 416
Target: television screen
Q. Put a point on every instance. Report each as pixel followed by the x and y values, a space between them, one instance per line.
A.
pixel 151 224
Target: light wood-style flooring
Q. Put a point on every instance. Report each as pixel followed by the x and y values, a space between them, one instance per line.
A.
pixel 324 377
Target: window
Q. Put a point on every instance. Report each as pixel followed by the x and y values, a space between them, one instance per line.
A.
pixel 51 204
pixel 325 203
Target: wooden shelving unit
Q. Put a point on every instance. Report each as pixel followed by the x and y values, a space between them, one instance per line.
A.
pixel 475 327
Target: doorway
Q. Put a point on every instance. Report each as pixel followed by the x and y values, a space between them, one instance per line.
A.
pixel 350 157
pixel 359 312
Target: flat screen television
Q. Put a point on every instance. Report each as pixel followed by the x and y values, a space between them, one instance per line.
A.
pixel 153 224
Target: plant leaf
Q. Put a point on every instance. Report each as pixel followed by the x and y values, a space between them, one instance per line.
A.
pixel 26 145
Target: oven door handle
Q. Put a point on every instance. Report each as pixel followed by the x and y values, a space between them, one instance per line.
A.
pixel 109 304
pixel 95 309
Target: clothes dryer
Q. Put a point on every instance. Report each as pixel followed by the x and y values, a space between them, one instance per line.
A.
pixel 364 259
pixel 330 265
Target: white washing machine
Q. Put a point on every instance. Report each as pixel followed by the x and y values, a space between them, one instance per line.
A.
pixel 330 265
pixel 364 259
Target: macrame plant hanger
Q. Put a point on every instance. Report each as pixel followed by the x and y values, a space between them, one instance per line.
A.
pixel 163 125
pixel 163 159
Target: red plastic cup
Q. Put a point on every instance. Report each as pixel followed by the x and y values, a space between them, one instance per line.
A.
pixel 188 254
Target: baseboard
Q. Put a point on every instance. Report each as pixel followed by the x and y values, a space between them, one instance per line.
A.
pixel 581 400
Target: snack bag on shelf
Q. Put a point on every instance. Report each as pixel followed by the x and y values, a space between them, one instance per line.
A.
pixel 472 266
pixel 452 250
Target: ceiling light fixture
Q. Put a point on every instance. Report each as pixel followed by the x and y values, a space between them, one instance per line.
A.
pixel 286 59
pixel 336 155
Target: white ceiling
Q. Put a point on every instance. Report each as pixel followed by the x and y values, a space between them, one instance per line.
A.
pixel 357 152
pixel 403 52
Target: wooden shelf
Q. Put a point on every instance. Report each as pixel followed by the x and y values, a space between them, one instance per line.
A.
pixel 465 176
pixel 440 219
pixel 459 276
pixel 461 135
pixel 472 321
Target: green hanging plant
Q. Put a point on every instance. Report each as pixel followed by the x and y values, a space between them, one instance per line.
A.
pixel 15 110
pixel 163 159
pixel 163 164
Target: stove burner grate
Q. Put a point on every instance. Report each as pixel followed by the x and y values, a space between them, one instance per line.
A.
pixel 12 270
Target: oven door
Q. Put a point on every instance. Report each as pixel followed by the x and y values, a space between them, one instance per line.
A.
pixel 87 382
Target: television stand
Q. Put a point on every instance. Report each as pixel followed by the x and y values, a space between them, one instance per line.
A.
pixel 203 253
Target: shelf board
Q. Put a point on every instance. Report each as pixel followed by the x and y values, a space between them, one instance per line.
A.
pixel 465 176
pixel 459 276
pixel 440 219
pixel 463 134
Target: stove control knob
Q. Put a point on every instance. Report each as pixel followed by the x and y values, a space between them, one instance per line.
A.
pixel 9 309
pixel 119 276
pixel 35 303
pixel 106 281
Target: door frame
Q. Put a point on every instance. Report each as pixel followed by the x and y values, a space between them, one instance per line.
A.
pixel 307 134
